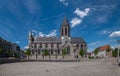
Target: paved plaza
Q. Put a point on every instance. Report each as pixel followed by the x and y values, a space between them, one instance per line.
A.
pixel 99 67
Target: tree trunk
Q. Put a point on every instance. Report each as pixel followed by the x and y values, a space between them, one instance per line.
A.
pixel 63 56
pixel 28 57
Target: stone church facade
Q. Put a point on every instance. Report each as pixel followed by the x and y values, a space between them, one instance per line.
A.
pixel 55 45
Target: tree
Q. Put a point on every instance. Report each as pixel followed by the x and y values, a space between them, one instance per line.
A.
pixel 56 54
pixel 114 52
pixel 64 52
pixel 28 53
pixel 96 51
pixel 46 52
pixel 81 52
pixel 108 49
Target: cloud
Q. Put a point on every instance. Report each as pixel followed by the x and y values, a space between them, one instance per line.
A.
pixel 41 34
pixel 26 47
pixel 75 21
pixel 52 33
pixel 64 2
pixel 32 6
pixel 34 31
pixel 115 34
pixel 17 42
pixel 94 43
pixel 81 14
pixel 105 32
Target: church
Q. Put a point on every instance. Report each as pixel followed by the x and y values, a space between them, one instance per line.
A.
pixel 55 45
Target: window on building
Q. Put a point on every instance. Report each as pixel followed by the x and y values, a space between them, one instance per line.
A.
pixel 40 45
pixel 57 45
pixel 51 51
pixel 65 31
pixel 58 51
pixel 35 46
pixel 62 32
pixel 52 45
pixel 38 51
pixel 33 52
pixel 46 45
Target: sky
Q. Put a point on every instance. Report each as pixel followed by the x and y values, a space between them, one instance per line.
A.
pixel 96 21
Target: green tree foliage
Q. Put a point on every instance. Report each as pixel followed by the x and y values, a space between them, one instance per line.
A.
pixel 81 52
pixel 114 52
pixel 64 52
pixel 28 52
pixel 46 52
pixel 108 49
pixel 96 51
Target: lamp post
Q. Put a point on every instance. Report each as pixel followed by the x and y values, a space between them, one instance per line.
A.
pixel 118 49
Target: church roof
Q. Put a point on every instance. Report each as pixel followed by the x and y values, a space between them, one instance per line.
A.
pixel 47 40
pixel 75 40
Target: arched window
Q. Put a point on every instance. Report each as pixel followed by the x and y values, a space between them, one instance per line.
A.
pixel 40 45
pixel 39 51
pixel 46 45
pixel 68 49
pixel 33 52
pixel 52 45
pixel 66 31
pixel 62 32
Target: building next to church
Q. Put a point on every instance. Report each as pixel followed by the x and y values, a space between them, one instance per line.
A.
pixel 7 48
pixel 55 45
pixel 102 51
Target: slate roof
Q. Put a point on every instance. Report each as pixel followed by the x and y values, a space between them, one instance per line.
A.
pixel 77 40
pixel 47 40
pixel 57 40
pixel 65 22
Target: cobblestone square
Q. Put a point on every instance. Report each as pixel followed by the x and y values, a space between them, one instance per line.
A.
pixel 100 67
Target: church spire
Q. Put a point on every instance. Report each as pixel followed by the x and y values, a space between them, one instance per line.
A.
pixel 65 22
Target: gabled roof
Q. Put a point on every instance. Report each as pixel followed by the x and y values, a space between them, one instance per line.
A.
pixel 75 40
pixel 47 40
pixel 103 48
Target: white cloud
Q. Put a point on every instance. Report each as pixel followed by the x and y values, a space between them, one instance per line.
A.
pixel 75 21
pixel 17 42
pixel 114 34
pixel 26 47
pixel 105 32
pixel 82 14
pixel 64 2
pixel 32 6
pixel 34 31
pixel 41 34
pixel 52 33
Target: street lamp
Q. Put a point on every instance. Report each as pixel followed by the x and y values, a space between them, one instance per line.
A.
pixel 118 49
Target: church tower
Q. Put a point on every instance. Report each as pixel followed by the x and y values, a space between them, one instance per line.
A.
pixel 31 39
pixel 65 31
pixel 65 28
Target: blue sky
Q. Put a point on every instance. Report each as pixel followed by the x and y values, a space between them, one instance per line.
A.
pixel 97 21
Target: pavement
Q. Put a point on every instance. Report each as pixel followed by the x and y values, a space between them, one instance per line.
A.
pixel 97 67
